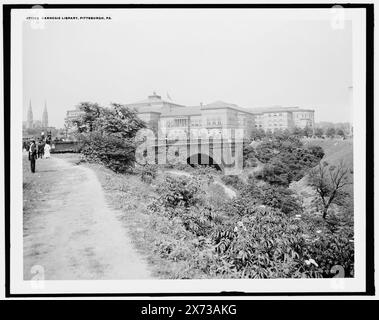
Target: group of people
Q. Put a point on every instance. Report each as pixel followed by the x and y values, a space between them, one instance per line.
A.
pixel 39 149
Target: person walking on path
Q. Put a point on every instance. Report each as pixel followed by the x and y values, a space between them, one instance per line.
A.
pixel 40 149
pixel 33 156
pixel 47 151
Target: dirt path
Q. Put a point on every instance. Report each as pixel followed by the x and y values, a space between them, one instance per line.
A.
pixel 71 232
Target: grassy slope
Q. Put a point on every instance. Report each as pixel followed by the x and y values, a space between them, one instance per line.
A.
pixel 335 151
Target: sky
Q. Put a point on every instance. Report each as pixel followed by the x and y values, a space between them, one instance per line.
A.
pixel 194 56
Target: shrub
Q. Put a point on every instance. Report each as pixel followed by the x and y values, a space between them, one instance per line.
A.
pixel 280 198
pixel 113 152
pixel 264 244
pixel 147 172
pixel 178 191
pixel 286 160
pixel 317 151
pixel 258 234
pixel 234 181
pixel 205 173
pixel 182 167
pixel 333 249
pixel 249 157
pixel 106 135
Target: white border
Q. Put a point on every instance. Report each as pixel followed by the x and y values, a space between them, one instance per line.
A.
pixel 357 284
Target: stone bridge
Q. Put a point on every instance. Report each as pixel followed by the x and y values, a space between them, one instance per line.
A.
pixel 224 154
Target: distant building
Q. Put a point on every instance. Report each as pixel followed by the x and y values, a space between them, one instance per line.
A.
pixel 30 123
pixel 167 116
pixel 73 114
pixel 151 109
pixel 215 116
pixel 29 119
pixel 274 118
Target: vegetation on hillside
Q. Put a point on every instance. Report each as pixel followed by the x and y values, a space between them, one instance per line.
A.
pixel 106 135
pixel 285 159
pixel 191 229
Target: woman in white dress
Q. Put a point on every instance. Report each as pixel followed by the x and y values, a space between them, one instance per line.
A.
pixel 47 150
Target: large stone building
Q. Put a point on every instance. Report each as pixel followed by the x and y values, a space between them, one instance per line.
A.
pixel 168 116
pixel 273 118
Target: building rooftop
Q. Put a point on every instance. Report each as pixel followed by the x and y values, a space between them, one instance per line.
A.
pixel 278 109
pixel 152 100
pixel 186 111
pixel 224 105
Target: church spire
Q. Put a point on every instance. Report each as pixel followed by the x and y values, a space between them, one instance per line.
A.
pixel 30 115
pixel 45 117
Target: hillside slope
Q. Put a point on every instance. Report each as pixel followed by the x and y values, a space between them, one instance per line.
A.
pixel 335 151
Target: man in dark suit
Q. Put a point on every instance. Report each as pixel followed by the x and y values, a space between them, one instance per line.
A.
pixel 40 149
pixel 33 156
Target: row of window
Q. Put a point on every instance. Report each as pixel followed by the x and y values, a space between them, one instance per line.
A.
pixel 304 115
pixel 276 114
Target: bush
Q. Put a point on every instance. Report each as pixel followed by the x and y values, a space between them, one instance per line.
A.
pixel 234 181
pixel 113 152
pixel 258 234
pixel 178 191
pixel 182 167
pixel 147 172
pixel 280 198
pixel 205 173
pixel 249 157
pixel 334 249
pixel 264 244
pixel 286 160
pixel 107 135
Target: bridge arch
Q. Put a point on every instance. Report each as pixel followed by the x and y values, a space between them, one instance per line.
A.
pixel 203 159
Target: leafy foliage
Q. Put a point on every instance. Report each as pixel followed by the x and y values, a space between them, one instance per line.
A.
pixel 249 156
pixel 107 135
pixel 276 197
pixel 147 172
pixel 256 235
pixel 176 192
pixel 234 181
pixel 286 160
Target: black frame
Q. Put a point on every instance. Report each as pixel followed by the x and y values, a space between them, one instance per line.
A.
pixel 370 288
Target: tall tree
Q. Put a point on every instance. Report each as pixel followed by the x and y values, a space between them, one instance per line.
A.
pixel 329 182
pixel 90 113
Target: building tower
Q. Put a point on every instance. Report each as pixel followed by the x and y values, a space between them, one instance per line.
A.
pixel 45 118
pixel 29 119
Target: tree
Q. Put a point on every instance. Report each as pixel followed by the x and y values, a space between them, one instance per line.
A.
pixel 341 133
pixel 85 122
pixel 319 132
pixel 297 132
pixel 249 156
pixel 285 160
pixel 107 135
pixel 307 131
pixel 257 134
pixel 330 132
pixel 329 182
